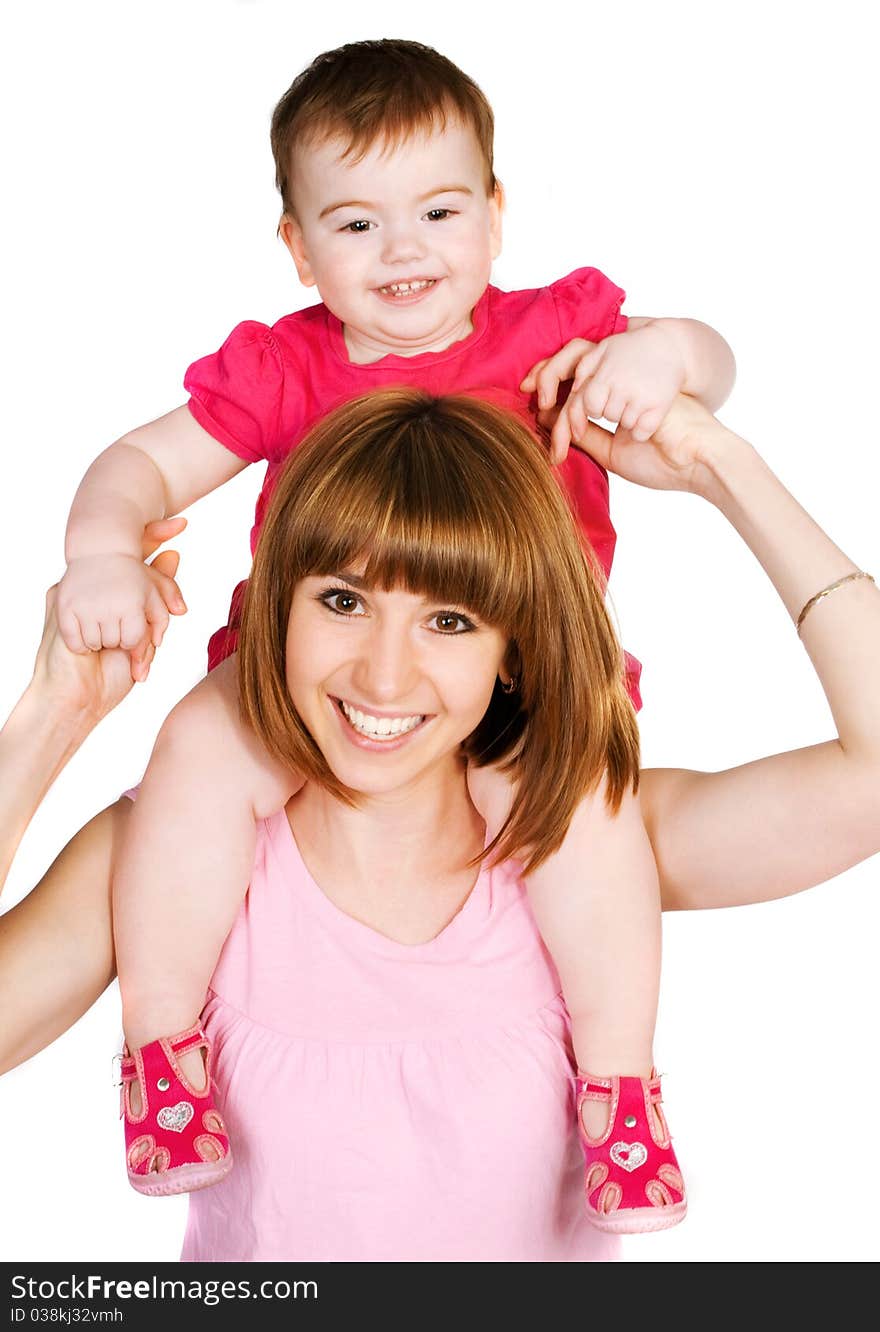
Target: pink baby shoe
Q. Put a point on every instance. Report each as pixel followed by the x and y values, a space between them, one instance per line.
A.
pixel 632 1179
pixel 178 1143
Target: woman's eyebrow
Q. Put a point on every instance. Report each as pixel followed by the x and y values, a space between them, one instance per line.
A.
pixel 353 579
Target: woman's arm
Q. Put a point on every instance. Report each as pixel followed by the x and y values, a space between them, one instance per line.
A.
pixel 808 814
pixel 56 946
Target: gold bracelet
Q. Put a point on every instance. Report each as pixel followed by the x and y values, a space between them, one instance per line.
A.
pixel 832 587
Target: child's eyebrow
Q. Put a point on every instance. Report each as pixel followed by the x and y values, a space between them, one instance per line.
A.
pixel 445 189
pixel 349 203
pixel 370 207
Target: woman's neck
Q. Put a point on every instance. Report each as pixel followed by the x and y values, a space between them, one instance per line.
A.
pixel 397 862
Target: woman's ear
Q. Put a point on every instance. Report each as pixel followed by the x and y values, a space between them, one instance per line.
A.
pixel 290 232
pixel 511 669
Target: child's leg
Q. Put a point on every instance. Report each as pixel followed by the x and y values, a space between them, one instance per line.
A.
pixel 597 905
pixel 187 858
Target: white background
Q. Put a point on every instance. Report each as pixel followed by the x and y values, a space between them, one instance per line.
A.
pixel 716 161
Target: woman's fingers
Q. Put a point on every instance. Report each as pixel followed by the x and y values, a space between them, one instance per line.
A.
pixel 141 659
pixel 166 562
pixel 163 529
pixel 597 442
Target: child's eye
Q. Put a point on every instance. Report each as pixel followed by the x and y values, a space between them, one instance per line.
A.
pixel 358 226
pixel 438 214
pixel 452 622
pixel 342 602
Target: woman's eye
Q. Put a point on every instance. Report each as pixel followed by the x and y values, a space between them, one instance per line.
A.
pixel 359 225
pixel 451 622
pixel 438 214
pixel 342 602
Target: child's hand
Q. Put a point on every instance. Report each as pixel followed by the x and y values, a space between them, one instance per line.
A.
pixel 90 685
pixel 631 377
pixel 116 601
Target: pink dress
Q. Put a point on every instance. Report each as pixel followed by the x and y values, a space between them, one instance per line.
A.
pixel 387 1102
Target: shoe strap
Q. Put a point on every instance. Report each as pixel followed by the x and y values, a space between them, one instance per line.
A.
pixel 191 1039
pixel 593 1088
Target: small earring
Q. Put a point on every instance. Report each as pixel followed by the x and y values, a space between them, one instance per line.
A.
pixel 511 686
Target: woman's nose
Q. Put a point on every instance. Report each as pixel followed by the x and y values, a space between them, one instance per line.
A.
pixel 386 670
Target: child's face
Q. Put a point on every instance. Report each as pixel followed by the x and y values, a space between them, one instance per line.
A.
pixel 400 244
pixel 388 683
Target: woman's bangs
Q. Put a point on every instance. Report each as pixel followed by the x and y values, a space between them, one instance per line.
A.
pixel 396 529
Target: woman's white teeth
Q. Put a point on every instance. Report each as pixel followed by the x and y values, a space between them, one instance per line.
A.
pixel 406 288
pixel 379 726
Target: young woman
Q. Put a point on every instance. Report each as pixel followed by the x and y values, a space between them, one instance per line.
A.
pixel 348 1191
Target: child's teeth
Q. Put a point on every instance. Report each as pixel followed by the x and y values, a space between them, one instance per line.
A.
pixel 407 288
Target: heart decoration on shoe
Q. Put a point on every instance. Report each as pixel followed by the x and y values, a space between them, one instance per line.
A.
pixel 176 1117
pixel 628 1155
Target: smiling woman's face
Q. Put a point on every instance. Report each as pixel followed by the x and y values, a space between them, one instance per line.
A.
pixel 388 683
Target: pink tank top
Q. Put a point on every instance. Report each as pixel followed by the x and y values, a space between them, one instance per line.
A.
pixel 387 1102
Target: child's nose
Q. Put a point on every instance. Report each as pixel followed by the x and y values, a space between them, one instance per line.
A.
pixel 402 244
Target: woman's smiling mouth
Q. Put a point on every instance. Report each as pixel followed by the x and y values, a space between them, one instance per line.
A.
pixel 382 731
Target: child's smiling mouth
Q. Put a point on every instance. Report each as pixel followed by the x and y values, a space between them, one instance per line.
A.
pixel 404 292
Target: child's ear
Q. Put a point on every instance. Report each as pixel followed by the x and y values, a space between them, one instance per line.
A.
pixel 290 232
pixel 496 209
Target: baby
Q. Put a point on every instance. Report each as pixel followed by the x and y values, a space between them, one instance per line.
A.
pixel 391 208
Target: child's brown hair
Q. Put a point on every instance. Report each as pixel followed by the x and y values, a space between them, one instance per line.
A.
pixel 369 91
pixel 455 500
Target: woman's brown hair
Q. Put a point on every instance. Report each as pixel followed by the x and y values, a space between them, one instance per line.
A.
pixel 455 500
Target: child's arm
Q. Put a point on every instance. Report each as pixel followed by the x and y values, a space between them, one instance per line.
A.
pixel 108 597
pixel 632 377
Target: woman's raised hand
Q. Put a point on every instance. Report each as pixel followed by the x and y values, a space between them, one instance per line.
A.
pixel 93 684
pixel 678 456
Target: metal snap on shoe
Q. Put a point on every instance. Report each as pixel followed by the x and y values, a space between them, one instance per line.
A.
pixel 163 1084
pixel 629 1122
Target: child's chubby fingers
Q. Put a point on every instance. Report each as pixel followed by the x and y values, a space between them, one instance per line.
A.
pixel 157 618
pixel 587 365
pixel 560 436
pixel 647 423
pixel 91 633
pixel 529 384
pixel 133 629
pixel 70 630
pixel 545 377
pixel 576 418
pixel 630 415
pixel 594 395
pixel 615 406
pixel 110 629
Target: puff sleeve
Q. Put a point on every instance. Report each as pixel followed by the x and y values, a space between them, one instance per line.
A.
pixel 237 393
pixel 588 306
